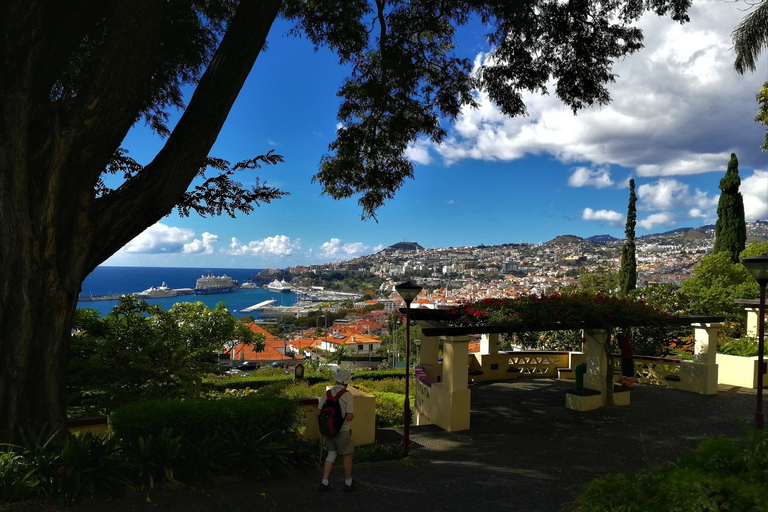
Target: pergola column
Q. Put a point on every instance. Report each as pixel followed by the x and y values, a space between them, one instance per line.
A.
pixel 489 344
pixel 700 375
pixel 447 403
pixel 752 314
pixel 597 361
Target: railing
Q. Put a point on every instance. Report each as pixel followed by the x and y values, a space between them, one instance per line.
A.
pixel 538 363
pixel 657 371
pixel 511 365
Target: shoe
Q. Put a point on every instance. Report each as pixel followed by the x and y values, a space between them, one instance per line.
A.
pixel 352 487
pixel 324 487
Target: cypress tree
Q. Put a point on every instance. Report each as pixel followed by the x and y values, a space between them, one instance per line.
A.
pixel 730 228
pixel 628 271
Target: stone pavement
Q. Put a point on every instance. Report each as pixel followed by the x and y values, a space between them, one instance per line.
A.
pixel 524 452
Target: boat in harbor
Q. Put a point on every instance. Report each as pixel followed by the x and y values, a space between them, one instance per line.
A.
pixel 279 286
pixel 157 292
pixel 210 284
pixel 248 285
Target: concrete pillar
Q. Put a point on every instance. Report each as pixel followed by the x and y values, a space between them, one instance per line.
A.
pixel 455 362
pixel 752 314
pixel 489 344
pixel 430 350
pixel 597 362
pixel 701 375
pixel 705 350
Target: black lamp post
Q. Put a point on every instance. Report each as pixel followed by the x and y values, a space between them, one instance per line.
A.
pixel 408 291
pixel 758 267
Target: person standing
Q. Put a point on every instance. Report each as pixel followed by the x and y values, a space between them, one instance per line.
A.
pixel 342 443
pixel 627 364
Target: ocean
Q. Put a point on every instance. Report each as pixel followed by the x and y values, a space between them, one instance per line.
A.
pixel 121 280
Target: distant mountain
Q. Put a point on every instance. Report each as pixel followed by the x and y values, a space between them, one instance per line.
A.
pixel 602 239
pixel 566 239
pixel 404 246
pixel 689 233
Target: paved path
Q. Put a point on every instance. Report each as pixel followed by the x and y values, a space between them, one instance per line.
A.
pixel 524 452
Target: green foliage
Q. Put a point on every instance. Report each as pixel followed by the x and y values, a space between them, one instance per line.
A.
pixel 730 228
pixel 744 347
pixel 377 453
pixel 389 409
pixel 375 387
pixel 762 111
pixel 17 481
pixel 140 351
pixel 756 248
pixel 628 269
pixel 220 385
pixel 721 474
pixel 66 469
pixel 197 419
pixel 554 312
pixel 716 284
pixel 603 282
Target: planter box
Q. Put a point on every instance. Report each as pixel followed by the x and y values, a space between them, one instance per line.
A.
pixel 96 425
pixel 738 371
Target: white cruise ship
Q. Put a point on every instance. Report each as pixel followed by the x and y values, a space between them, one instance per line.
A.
pixel 279 286
pixel 214 284
pixel 157 292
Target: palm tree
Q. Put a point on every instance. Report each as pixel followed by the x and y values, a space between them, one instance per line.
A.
pixel 750 37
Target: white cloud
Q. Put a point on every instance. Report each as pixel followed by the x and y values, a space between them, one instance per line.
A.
pixel 586 177
pixel 204 246
pixel 418 152
pixel 754 190
pixel 336 250
pixel 670 194
pixel 608 216
pixel 678 108
pixel 278 245
pixel 657 219
pixel 160 239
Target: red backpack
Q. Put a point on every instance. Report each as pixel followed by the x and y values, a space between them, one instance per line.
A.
pixel 331 419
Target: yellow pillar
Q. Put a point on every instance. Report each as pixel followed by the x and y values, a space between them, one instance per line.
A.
pixel 430 350
pixel 700 375
pixel 455 362
pixel 752 314
pixel 489 344
pixel 597 362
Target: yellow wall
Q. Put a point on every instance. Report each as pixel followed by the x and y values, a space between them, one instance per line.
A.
pixel 738 371
pixel 363 425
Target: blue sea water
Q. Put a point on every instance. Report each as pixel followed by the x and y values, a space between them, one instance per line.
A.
pixel 121 280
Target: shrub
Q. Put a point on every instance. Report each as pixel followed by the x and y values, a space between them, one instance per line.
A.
pixel 721 474
pixel 64 469
pixel 744 347
pixel 16 480
pixel 198 419
pixel 389 409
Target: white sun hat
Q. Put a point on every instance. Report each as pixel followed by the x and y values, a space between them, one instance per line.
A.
pixel 343 376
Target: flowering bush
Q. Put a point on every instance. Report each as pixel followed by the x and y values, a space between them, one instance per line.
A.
pixel 558 312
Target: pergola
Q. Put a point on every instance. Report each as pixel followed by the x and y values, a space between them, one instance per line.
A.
pixel 443 396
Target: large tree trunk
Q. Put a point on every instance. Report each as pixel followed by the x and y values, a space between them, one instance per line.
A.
pixel 53 230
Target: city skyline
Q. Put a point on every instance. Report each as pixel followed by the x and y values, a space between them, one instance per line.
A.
pixel 678 111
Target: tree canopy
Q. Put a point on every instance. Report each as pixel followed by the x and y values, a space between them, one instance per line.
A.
pixel 76 76
pixel 628 267
pixel 730 228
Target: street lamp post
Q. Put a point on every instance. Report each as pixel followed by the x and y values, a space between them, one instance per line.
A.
pixel 408 291
pixel 758 267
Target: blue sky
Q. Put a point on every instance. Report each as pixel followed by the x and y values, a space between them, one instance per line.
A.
pixel 678 111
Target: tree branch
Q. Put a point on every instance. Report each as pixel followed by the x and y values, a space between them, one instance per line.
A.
pixel 138 203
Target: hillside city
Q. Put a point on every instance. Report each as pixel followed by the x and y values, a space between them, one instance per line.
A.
pixel 455 275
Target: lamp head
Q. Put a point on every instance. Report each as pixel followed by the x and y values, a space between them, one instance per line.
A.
pixel 758 267
pixel 408 291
